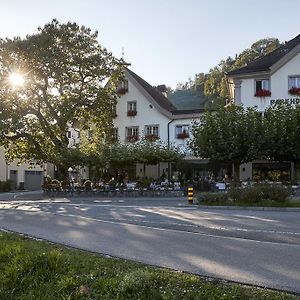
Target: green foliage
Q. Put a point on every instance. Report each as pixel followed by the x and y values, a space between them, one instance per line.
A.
pixel 5 186
pixel 64 69
pixel 261 194
pixel 230 134
pixel 211 198
pixel 282 132
pixel 212 86
pixel 32 269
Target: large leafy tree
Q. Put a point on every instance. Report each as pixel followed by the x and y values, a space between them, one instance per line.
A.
pixel 50 81
pixel 230 134
pixel 282 134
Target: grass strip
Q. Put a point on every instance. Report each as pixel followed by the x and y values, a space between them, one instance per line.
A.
pixel 31 269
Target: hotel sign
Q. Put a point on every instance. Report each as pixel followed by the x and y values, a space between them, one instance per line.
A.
pixel 292 101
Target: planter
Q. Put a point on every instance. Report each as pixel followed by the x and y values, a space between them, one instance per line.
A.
pixel 263 93
pixel 294 91
pixel 151 137
pixel 182 135
pixel 132 138
pixel 131 113
pixel 122 91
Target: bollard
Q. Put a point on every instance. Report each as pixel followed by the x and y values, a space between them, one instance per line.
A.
pixel 190 194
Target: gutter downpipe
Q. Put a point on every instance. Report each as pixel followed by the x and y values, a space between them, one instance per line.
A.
pixel 169 164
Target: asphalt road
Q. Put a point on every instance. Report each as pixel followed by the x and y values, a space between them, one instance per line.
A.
pixel 252 247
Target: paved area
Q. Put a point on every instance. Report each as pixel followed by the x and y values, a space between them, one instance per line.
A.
pixel 254 247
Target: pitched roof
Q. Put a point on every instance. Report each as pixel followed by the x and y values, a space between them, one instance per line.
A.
pixel 266 62
pixel 154 93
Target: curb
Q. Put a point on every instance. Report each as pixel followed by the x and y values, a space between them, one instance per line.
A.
pixel 256 208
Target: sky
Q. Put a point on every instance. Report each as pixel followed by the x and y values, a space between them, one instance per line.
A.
pixel 166 41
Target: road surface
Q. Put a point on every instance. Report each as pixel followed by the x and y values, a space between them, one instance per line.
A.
pixel 253 247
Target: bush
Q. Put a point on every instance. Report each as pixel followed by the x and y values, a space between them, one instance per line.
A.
pixel 210 198
pixel 5 186
pixel 259 192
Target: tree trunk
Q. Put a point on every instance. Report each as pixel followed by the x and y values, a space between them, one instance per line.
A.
pixel 236 172
pixel 297 171
pixel 62 172
pixel 144 170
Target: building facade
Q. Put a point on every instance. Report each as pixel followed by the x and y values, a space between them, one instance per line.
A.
pixel 271 79
pixel 144 111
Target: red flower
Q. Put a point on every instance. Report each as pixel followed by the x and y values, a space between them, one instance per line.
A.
pixel 262 93
pixel 183 135
pixel 294 91
pixel 132 138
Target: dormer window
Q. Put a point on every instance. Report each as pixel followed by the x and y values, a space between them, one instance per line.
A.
pixel 294 85
pixel 262 88
pixel 131 109
pixel 122 87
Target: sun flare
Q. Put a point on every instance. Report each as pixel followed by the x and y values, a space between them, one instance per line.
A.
pixel 16 79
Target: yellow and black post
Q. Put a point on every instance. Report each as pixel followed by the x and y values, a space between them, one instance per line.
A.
pixel 190 194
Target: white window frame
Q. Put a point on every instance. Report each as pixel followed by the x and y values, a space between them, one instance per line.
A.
pixel 297 81
pixel 131 106
pixel 152 130
pixel 265 84
pixel 181 129
pixel 133 130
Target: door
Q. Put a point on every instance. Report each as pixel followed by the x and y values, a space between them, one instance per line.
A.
pixel 13 177
pixel 33 180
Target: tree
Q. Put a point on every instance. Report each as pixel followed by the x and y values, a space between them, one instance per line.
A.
pixel 213 86
pixel 61 72
pixel 152 153
pixel 282 134
pixel 230 134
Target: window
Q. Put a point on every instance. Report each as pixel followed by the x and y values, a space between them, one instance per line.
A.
pixel 132 133
pixel 182 131
pixel 115 134
pixel 294 82
pixel 151 132
pixel 122 87
pixel 69 134
pixel 151 129
pixel 262 88
pixel 131 109
pixel 294 85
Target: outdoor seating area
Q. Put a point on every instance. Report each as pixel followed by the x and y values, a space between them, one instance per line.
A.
pixel 101 189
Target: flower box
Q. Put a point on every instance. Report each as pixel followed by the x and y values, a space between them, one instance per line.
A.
pixel 122 90
pixel 132 138
pixel 131 113
pixel 183 135
pixel 262 93
pixel 151 137
pixel 294 91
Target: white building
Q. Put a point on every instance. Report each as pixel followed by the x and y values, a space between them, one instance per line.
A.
pixel 263 82
pixel 142 110
pixel 26 175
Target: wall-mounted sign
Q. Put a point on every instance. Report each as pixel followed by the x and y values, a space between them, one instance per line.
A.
pixel 291 101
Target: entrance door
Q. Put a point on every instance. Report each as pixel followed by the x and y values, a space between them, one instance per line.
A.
pixel 13 176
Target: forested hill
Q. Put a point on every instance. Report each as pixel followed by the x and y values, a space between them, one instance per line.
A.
pixel 209 90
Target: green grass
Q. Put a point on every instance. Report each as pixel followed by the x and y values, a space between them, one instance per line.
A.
pixel 31 269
